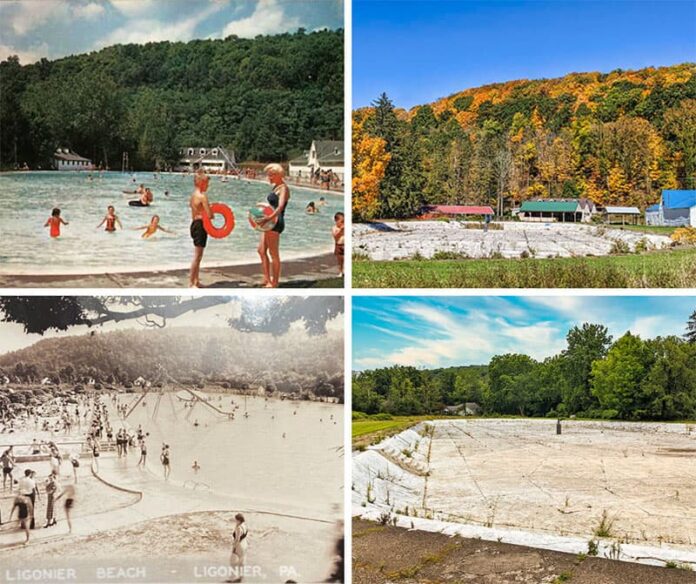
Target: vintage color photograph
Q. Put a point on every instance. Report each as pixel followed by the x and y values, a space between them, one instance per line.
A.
pixel 171 143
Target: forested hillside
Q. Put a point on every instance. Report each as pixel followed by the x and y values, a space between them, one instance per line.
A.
pixel 265 98
pixel 595 376
pixel 189 355
pixel 617 138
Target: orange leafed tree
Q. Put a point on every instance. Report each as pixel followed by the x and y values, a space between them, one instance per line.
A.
pixel 370 160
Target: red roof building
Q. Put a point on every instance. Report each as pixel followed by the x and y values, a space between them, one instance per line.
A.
pixel 459 209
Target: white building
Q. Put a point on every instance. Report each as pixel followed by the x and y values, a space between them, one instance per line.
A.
pixel 675 209
pixel 215 159
pixel 63 159
pixel 322 155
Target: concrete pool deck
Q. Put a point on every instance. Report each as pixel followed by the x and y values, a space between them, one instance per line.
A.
pixel 517 481
pixel 279 534
pixel 403 239
pixel 296 273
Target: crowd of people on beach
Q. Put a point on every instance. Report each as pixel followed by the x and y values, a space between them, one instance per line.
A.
pixel 270 226
pixel 28 489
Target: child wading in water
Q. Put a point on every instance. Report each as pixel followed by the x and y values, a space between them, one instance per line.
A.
pixel 111 220
pixel 339 246
pixel 199 207
pixel 54 222
pixel 152 228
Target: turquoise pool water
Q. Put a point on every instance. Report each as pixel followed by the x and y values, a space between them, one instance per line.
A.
pixel 27 199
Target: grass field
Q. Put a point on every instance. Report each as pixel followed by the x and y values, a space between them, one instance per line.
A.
pixel 674 268
pixel 655 229
pixel 366 432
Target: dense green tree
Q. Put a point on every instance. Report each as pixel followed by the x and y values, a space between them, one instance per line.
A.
pixel 690 334
pixel 586 344
pixel 265 98
pixel 616 379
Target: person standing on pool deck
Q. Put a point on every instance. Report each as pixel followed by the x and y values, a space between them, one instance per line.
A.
pixel 54 222
pixel 269 246
pixel 199 205
pixel 25 511
pixel 338 232
pixel 239 547
pixel 164 457
pixel 8 463
pixel 111 220
pixel 69 492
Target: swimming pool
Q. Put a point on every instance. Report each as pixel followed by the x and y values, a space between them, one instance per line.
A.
pixel 282 452
pixel 27 199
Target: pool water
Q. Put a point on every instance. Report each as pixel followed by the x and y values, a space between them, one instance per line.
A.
pixel 282 452
pixel 27 199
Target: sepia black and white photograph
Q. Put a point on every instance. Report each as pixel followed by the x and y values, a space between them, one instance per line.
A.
pixel 171 438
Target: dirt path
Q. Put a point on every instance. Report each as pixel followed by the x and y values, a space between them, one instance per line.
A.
pixel 385 554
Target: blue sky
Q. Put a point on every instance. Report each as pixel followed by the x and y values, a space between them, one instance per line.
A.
pixel 33 29
pixel 440 331
pixel 419 50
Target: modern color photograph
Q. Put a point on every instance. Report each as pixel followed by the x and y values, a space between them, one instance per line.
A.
pixel 524 439
pixel 171 143
pixel 171 439
pixel 515 144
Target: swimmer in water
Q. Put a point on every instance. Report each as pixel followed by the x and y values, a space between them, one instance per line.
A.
pixel 196 467
pixel 196 423
pixel 152 228
pixel 311 208
pixel 111 220
pixel 54 222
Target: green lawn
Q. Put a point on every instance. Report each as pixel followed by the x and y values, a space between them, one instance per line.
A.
pixel 365 432
pixel 674 268
pixel 654 229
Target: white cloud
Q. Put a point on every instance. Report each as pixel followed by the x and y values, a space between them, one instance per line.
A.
pixel 445 337
pixel 134 8
pixel 88 11
pixel 25 16
pixel 26 56
pixel 147 30
pixel 268 18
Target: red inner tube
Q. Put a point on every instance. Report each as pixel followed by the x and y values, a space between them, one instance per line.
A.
pixel 226 229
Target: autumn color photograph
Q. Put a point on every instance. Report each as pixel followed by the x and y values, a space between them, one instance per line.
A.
pixel 524 144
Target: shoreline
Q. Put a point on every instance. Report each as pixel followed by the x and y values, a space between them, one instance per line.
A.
pixel 298 272
pixel 312 188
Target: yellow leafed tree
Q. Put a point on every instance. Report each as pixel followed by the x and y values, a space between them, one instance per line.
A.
pixel 370 160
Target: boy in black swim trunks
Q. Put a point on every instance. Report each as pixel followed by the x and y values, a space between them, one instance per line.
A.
pixel 199 205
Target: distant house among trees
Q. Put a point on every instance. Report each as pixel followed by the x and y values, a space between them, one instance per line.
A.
pixel 215 159
pixel 465 409
pixel 675 209
pixel 326 155
pixel 558 210
pixel 64 159
pixel 457 210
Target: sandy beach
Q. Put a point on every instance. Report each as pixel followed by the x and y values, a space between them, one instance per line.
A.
pixel 297 273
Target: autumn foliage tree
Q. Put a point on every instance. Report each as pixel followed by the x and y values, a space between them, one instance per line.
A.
pixel 617 138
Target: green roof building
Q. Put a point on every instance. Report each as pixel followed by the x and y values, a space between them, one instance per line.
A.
pixel 564 211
